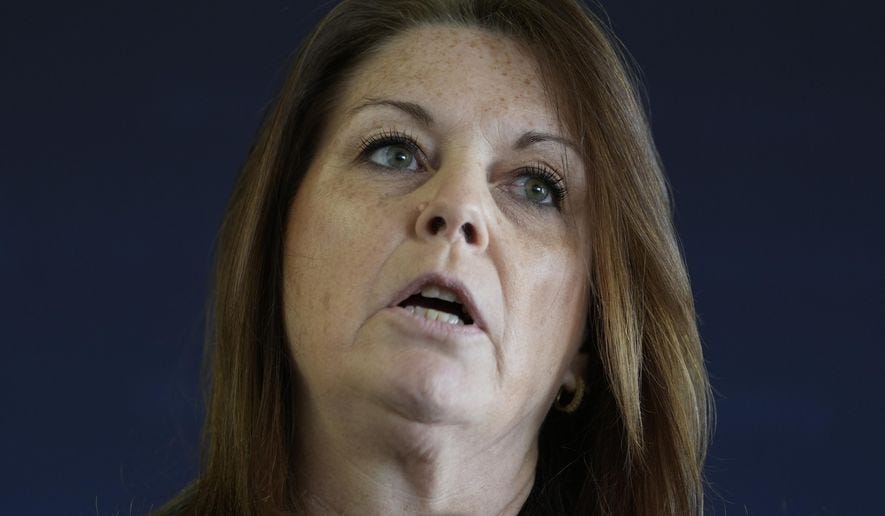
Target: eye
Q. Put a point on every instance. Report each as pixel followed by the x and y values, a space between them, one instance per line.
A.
pixel 394 156
pixel 392 150
pixel 540 186
pixel 536 190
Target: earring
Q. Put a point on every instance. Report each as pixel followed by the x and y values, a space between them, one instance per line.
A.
pixel 575 402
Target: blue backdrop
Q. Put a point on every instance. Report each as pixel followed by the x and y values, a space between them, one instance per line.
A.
pixel 123 125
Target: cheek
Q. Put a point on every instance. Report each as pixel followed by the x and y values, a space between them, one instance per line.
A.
pixel 546 289
pixel 334 246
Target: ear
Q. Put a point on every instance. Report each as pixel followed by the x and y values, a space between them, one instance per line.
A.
pixel 576 369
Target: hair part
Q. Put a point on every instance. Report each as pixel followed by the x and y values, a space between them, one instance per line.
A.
pixel 638 444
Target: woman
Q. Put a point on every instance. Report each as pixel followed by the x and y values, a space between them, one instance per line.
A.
pixel 448 282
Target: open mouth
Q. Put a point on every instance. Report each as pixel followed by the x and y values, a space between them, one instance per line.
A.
pixel 437 303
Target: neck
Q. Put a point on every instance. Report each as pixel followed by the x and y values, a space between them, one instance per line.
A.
pixel 412 468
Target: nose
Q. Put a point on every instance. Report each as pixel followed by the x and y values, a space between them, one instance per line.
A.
pixel 455 213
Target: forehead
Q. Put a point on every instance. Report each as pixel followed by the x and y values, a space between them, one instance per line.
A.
pixel 462 74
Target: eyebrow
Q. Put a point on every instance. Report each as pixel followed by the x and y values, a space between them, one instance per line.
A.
pixel 421 115
pixel 414 110
pixel 533 137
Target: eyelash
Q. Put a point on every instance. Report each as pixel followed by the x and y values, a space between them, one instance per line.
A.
pixel 537 170
pixel 557 184
pixel 386 138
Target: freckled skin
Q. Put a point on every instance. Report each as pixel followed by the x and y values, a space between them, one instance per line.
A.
pixel 444 415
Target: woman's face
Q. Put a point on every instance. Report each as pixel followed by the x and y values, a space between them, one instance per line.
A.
pixel 437 192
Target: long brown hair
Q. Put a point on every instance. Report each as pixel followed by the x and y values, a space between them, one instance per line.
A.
pixel 638 445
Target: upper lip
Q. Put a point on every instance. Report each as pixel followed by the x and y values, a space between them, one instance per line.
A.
pixel 448 282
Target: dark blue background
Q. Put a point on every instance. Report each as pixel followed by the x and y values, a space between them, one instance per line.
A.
pixel 122 128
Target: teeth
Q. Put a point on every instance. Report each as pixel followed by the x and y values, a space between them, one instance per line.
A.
pixel 439 293
pixel 434 315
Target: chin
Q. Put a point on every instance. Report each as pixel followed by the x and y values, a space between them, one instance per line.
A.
pixel 423 381
pixel 428 389
pixel 423 410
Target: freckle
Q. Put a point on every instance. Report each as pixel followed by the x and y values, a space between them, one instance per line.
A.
pixel 349 195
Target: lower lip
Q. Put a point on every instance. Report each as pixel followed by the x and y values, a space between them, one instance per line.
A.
pixel 437 330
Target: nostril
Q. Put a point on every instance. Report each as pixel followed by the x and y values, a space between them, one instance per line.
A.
pixel 469 233
pixel 436 224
